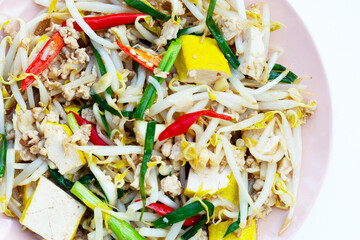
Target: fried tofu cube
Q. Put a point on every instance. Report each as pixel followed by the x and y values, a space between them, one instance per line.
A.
pixel 51 212
pixel 201 61
pixel 66 158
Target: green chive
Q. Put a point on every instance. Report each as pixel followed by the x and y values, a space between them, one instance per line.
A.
pixel 215 31
pixel 278 69
pixel 234 226
pixel 192 231
pixel 124 230
pixel 60 179
pixel 166 64
pixel 3 154
pixel 183 213
pixel 144 8
pixel 72 122
pixel 86 179
pixel 107 129
pixel 148 148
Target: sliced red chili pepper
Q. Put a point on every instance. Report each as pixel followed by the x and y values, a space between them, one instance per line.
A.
pixel 146 59
pixel 94 137
pixel 162 210
pixel 43 59
pixel 108 21
pixel 184 122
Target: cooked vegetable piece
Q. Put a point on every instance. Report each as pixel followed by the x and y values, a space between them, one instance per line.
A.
pixel 192 231
pixel 162 210
pixel 183 213
pixel 145 8
pixel 107 129
pixel 108 21
pixel 166 64
pixel 61 213
pixel 146 59
pixel 233 227
pixel 122 229
pixel 72 122
pixel 67 160
pixel 3 154
pixel 215 31
pixel 94 137
pixel 201 61
pixel 148 148
pixel 43 59
pixel 278 69
pixel 184 122
pixel 86 179
pixel 60 179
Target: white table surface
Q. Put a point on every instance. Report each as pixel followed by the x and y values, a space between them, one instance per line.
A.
pixel 335 27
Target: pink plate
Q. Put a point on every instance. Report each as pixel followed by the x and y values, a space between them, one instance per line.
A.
pixel 300 50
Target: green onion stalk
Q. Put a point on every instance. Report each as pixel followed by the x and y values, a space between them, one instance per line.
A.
pixel 165 65
pixel 121 228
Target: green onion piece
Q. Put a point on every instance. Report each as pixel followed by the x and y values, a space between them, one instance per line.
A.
pixel 145 8
pixel 166 64
pixel 184 32
pixel 85 106
pixel 86 179
pixel 127 113
pixel 183 213
pixel 87 197
pixel 60 179
pixel 3 154
pixel 215 31
pixel 102 103
pixel 148 148
pixel 192 231
pixel 124 230
pixel 102 67
pixel 107 129
pixel 234 226
pixel 121 192
pixel 278 69
pixel 72 122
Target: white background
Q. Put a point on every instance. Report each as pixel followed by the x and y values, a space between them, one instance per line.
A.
pixel 335 27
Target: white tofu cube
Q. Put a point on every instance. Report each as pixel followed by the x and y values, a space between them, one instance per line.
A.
pixel 67 160
pixel 51 212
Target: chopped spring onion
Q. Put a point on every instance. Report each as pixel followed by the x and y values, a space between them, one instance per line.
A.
pixel 145 8
pixel 72 122
pixel 86 179
pixel 192 231
pixel 277 70
pixel 183 213
pixel 106 125
pixel 148 148
pixel 234 226
pixel 105 106
pixel 122 229
pixel 60 179
pixel 165 66
pixel 215 31
pixel 102 67
pixel 3 154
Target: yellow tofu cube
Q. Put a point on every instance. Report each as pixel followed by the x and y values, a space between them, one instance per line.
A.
pixel 201 61
pixel 51 212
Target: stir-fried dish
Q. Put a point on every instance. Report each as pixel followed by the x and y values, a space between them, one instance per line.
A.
pixel 158 119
